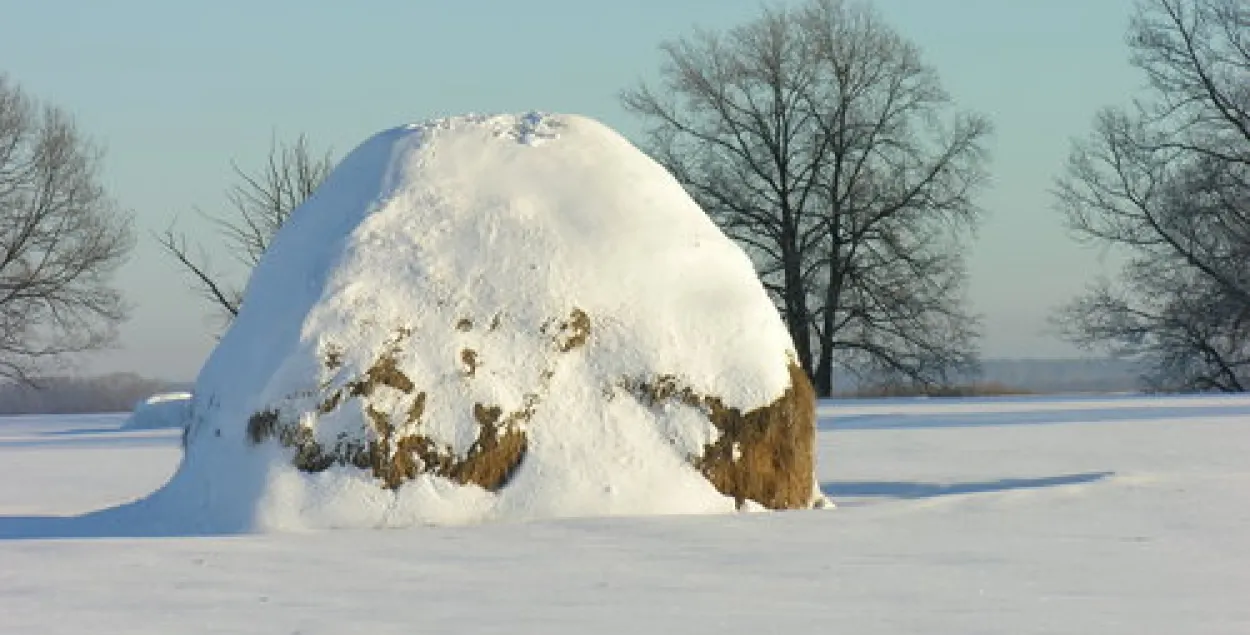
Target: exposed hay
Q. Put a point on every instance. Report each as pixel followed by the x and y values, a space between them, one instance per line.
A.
pixel 489 462
pixel 468 362
pixel 764 455
pixel 310 456
pixel 262 425
pixel 384 372
pixel 417 409
pixel 571 333
pixel 333 358
pixel 394 459
pixel 498 450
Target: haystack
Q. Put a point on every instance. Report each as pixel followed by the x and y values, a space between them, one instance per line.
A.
pixel 485 318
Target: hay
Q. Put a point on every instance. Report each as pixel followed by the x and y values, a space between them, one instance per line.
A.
pixel 571 333
pixel 393 459
pixel 468 361
pixel 764 455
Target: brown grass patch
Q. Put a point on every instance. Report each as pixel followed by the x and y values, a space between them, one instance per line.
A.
pixel 764 455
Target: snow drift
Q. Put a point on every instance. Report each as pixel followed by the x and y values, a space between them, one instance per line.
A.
pixel 164 410
pixel 484 318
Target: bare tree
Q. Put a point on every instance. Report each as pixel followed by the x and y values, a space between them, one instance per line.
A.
pixel 258 205
pixel 1166 183
pixel 819 140
pixel 61 239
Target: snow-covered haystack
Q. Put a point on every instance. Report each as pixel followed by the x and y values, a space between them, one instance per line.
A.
pixel 485 318
pixel 163 410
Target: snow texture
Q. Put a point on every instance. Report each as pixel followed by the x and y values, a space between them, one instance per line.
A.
pixel 462 250
pixel 1110 516
pixel 164 410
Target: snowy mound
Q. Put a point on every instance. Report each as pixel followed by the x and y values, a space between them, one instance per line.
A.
pixel 487 318
pixel 164 410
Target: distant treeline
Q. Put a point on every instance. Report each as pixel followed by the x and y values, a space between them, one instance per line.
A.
pixel 1014 376
pixel 117 392
pixel 120 391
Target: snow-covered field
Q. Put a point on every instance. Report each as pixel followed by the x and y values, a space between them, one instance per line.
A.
pixel 1084 516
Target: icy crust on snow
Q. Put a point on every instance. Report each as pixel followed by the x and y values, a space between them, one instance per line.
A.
pixel 464 253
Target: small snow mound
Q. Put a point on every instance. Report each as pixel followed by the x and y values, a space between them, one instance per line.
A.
pixel 497 318
pixel 164 410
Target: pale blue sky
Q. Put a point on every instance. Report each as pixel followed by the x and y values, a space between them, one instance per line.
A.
pixel 174 91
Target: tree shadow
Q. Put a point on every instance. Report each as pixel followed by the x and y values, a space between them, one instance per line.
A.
pixel 910 490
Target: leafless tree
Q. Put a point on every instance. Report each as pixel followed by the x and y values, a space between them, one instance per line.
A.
pixel 1165 182
pixel 257 206
pixel 61 239
pixel 820 141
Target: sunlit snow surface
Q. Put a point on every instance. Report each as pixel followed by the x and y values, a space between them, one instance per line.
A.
pixel 1099 516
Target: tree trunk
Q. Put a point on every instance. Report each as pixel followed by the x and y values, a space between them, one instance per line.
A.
pixel 822 380
pixel 797 324
pixel 797 315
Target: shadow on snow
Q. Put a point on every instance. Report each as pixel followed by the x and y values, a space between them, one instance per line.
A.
pixel 831 420
pixel 125 521
pixel 95 437
pixel 917 490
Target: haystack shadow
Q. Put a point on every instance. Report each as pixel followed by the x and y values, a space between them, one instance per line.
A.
pixel 911 490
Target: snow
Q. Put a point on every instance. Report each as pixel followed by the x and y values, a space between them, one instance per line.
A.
pixel 455 248
pixel 1113 516
pixel 163 410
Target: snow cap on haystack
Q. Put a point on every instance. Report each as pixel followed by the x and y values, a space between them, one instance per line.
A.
pixel 483 318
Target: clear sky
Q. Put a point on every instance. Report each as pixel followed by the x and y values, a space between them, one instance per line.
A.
pixel 175 91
